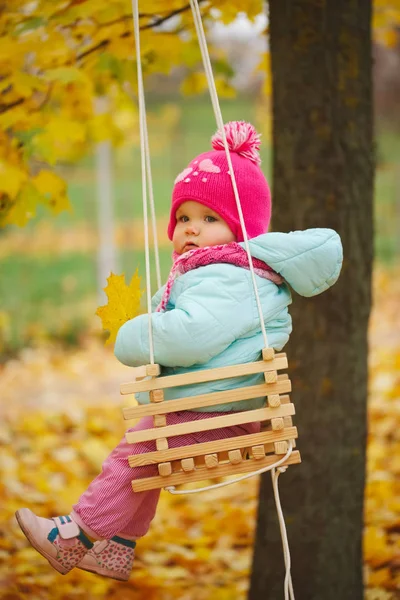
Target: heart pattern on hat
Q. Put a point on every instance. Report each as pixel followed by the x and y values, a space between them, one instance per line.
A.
pixel 183 175
pixel 208 166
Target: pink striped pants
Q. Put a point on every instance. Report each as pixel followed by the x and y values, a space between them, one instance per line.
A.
pixel 110 507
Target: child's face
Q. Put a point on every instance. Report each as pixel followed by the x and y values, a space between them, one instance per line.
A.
pixel 198 226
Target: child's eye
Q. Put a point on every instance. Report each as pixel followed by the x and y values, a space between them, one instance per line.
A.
pixel 183 219
pixel 210 219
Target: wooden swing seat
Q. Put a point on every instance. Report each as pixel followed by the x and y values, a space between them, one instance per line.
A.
pixel 210 460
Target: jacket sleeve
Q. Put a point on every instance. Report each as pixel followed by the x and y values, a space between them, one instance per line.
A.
pixel 208 316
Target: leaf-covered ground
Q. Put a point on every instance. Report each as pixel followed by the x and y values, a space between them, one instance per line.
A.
pixel 61 416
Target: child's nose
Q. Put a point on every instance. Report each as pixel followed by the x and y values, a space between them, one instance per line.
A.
pixel 192 228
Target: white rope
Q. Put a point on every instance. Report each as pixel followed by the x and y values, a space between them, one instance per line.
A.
pixel 220 124
pixel 144 146
pixel 288 587
pixel 172 490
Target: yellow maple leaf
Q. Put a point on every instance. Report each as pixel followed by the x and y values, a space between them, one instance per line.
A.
pixel 48 182
pixel 11 179
pixel 123 303
pixel 53 190
pixel 23 208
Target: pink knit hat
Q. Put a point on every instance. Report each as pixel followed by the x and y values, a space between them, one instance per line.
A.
pixel 207 180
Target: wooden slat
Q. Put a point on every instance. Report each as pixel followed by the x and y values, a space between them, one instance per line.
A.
pixel 223 457
pixel 283 386
pixel 279 362
pixel 203 473
pixel 241 441
pixel 225 420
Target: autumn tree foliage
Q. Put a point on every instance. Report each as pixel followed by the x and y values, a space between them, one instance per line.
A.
pixel 56 57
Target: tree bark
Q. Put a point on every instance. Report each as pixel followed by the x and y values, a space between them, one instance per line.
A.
pixel 323 171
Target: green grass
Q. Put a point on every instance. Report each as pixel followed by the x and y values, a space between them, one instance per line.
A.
pixel 56 296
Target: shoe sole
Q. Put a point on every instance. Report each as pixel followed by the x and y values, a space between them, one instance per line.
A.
pixel 28 534
pixel 104 573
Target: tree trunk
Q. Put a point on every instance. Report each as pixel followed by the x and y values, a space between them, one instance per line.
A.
pixel 323 177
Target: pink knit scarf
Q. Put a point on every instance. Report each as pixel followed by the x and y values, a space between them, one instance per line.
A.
pixel 231 253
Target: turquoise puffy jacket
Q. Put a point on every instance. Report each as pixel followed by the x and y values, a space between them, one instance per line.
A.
pixel 212 318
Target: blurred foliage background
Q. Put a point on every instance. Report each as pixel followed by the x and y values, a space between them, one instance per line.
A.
pixel 58 62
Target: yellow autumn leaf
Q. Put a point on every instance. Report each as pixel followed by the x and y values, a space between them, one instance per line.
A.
pixel 123 303
pixel 379 577
pixel 23 208
pixel 58 137
pixel 376 549
pixel 47 182
pixel 53 190
pixel 101 127
pixel 25 85
pixel 11 179
pixel 66 75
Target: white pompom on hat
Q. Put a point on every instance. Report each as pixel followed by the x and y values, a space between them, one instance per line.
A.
pixel 207 180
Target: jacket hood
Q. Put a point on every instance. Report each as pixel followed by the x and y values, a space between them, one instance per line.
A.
pixel 310 261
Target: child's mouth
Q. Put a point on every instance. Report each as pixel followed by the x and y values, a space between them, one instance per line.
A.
pixel 189 246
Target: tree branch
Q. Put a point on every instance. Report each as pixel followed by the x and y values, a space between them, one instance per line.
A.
pixel 162 20
pixel 5 107
pixel 155 23
pixel 103 44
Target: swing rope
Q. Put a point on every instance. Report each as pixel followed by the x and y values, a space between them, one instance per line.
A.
pixel 143 148
pixel 275 469
pixel 220 124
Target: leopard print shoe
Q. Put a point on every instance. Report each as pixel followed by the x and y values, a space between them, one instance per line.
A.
pixel 110 558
